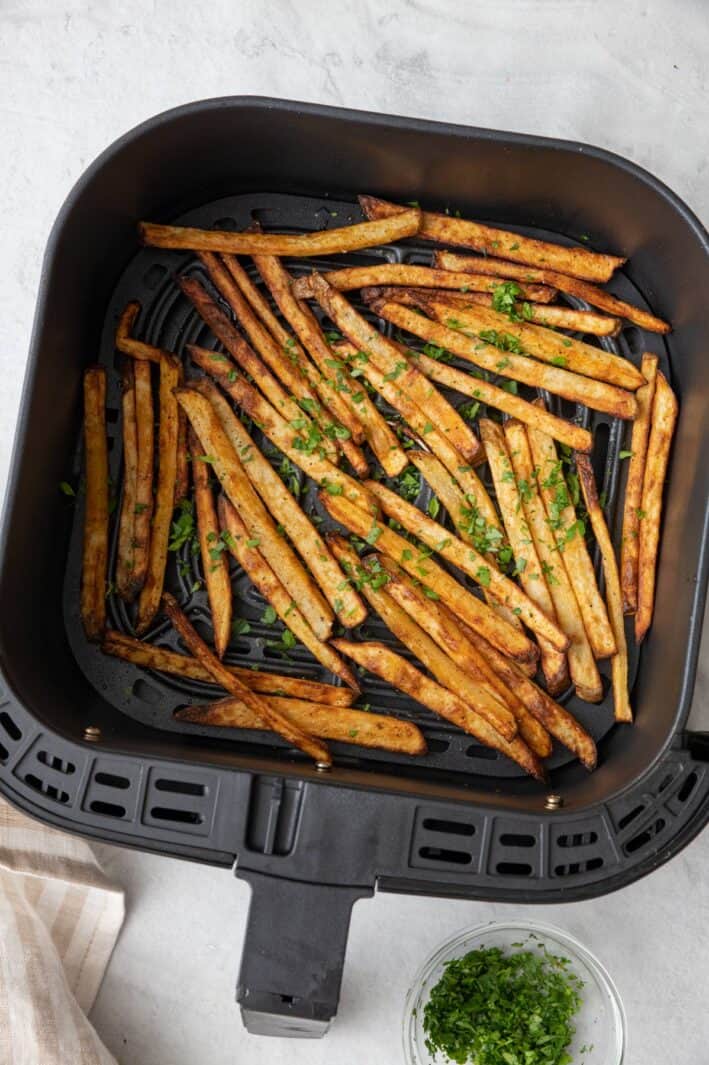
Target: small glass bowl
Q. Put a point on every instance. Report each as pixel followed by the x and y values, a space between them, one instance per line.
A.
pixel 600 1022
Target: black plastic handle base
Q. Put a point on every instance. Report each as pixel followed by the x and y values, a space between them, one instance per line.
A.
pixel 698 746
pixel 293 955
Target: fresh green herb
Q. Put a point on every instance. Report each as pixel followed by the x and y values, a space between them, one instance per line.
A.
pixel 504 297
pixel 374 533
pixel 566 343
pixel 269 615
pixel 625 454
pixel 503 341
pixel 66 488
pixel 428 428
pixel 332 335
pixel 510 386
pixel 240 627
pixel 183 528
pixel 254 541
pixel 548 572
pixel 469 411
pixel 396 372
pixel 139 508
pixel 436 353
pixel 514 247
pixel 558 360
pixel 429 593
pixel 216 357
pixel 209 459
pixel 640 514
pixel 331 487
pixel 433 507
pixel 408 484
pixel 407 554
pixel 483 575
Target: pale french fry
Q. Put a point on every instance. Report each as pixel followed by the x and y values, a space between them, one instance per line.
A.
pixel 619 662
pixel 214 564
pixel 259 572
pixel 595 394
pixel 151 592
pixel 259 704
pixel 94 568
pixel 597 297
pixel 145 425
pixel 325 242
pixel 356 727
pixel 509 492
pixel 378 434
pixel 276 428
pixel 301 531
pixel 400 274
pixel 385 663
pixel 582 665
pixel 124 555
pixel 386 358
pixel 662 421
pixel 571 542
pixel 230 472
pixel 630 543
pixel 148 656
pixel 534 340
pixel 470 561
pixel 447 229
pixel 476 691
pixel 419 565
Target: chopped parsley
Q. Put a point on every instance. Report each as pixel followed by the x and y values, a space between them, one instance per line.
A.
pixel 483 575
pixel 66 488
pixel 502 341
pixel 504 297
pixel 408 484
pixel 183 528
pixel 240 627
pixel 433 507
pixel 269 615
pixel 625 454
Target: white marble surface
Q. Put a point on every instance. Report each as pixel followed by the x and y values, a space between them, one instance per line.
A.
pixel 629 76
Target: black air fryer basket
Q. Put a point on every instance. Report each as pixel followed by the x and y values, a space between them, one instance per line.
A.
pixel 88 743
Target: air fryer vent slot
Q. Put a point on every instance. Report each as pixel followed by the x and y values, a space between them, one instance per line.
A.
pixel 46 789
pixel 180 787
pixel 645 836
pixel 574 868
pixel 515 839
pixel 444 838
pixel 185 800
pixel 626 819
pixel 107 809
pixel 688 787
pixel 453 828
pixel 4 753
pixel 578 839
pixel 180 817
pixel 440 854
pixel 53 761
pixel 111 780
pixel 9 726
pixel 514 869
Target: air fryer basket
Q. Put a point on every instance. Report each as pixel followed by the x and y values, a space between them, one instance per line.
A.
pixel 457 822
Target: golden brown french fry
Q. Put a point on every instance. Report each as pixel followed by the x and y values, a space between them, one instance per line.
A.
pixel 300 529
pixel 447 229
pixel 575 355
pixel 214 563
pixel 662 426
pixel 597 297
pixel 445 630
pixel 126 343
pixel 595 394
pixel 470 561
pixel 510 493
pixel 263 577
pixel 630 543
pixel 260 705
pixel 475 690
pixel 95 550
pixel 324 242
pixel 550 315
pixel 278 431
pixel 356 727
pixel 582 665
pixel 385 663
pixel 124 555
pixel 619 662
pixel 378 434
pixel 229 470
pixel 401 274
pixel 386 358
pixel 419 565
pixel 182 472
pixel 164 661
pixel 571 542
pixel 151 592
pixel 145 426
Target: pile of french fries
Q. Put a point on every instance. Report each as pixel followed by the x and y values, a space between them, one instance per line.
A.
pixel 491 664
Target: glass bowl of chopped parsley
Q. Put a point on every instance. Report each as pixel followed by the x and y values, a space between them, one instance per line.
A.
pixel 513 993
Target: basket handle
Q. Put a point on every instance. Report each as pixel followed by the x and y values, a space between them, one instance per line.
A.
pixel 293 955
pixel 698 746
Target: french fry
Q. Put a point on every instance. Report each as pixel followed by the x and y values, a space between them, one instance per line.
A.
pixel 182 471
pixel 475 691
pixel 597 297
pixel 264 578
pixel 303 534
pixel 126 525
pixel 127 344
pixel 145 436
pixel 151 592
pixel 595 394
pixel 619 661
pixel 325 242
pixel 630 543
pixel 267 714
pixel 385 663
pixel 509 493
pixel 571 542
pixel 214 563
pixel 582 665
pixel 470 561
pixel 148 656
pixel 230 473
pixel 544 345
pixel 419 565
pixel 445 630
pixel 550 315
pixel 400 274
pixel 378 434
pixel 447 229
pixel 663 420
pixel 278 431
pixel 388 360
pixel 95 550
pixel 356 727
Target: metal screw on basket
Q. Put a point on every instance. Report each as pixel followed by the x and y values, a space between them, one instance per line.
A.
pixel 553 802
pixel 92 733
pixel 323 767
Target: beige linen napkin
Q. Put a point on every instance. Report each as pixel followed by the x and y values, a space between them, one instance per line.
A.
pixel 59 920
